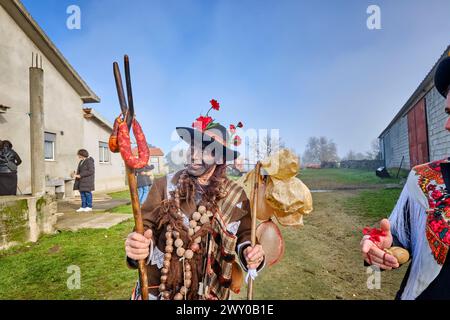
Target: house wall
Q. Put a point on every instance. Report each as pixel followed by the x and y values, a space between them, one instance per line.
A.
pixel 438 137
pixel 108 176
pixel 63 114
pixel 62 105
pixel 395 144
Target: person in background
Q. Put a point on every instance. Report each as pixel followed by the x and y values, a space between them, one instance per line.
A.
pixel 9 161
pixel 144 181
pixel 85 180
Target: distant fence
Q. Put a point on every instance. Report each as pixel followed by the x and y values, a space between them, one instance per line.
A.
pixel 362 164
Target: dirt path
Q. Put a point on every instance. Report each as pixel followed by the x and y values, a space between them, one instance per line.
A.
pixel 322 260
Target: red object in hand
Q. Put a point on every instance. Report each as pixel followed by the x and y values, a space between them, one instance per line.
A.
pixel 125 145
pixel 374 233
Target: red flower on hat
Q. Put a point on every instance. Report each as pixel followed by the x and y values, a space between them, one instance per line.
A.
pixel 232 128
pixel 237 141
pixel 202 123
pixel 215 105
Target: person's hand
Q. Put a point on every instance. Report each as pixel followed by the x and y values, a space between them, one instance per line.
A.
pixel 373 252
pixel 137 246
pixel 77 176
pixel 254 256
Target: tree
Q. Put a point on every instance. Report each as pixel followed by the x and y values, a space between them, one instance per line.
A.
pixel 319 150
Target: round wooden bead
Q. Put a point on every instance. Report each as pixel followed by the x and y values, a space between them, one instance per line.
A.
pixel 167 256
pixel 192 223
pixel 195 247
pixel 178 243
pixel 164 271
pixel 183 290
pixel 191 232
pixel 163 278
pixel 176 234
pixel 169 228
pixel 198 240
pixel 169 249
pixel 209 214
pixel 187 283
pixel 197 228
pixel 162 287
pixel 180 252
pixel 168 235
pixel 166 264
pixel 204 219
pixel 169 242
pixel 178 296
pixel 166 295
pixel 202 209
pixel 187 267
pixel 196 216
pixel 189 254
pixel 188 275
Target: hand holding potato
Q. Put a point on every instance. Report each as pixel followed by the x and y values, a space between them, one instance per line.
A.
pixel 374 252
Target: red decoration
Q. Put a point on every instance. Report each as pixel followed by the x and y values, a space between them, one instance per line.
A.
pixel 123 138
pixel 237 141
pixel 374 233
pixel 202 123
pixel 240 125
pixel 215 105
pixel 232 128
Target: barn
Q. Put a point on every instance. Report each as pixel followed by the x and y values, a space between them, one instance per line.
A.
pixel 416 134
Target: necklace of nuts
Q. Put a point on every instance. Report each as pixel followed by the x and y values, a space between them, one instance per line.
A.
pixel 174 244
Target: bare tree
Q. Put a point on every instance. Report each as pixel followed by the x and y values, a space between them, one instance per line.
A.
pixel 319 150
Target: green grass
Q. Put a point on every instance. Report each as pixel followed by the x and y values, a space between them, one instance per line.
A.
pixel 373 204
pixel 334 178
pixel 39 271
pixel 125 194
pixel 122 209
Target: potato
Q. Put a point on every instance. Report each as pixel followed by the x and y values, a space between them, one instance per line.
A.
pixel 401 254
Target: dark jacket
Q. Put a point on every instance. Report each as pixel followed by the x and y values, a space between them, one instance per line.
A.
pixel 9 160
pixel 143 180
pixel 86 169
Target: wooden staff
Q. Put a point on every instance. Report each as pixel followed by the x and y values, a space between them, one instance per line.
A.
pixel 131 175
pixel 254 206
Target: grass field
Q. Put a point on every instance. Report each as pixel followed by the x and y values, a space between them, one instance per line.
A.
pixel 321 261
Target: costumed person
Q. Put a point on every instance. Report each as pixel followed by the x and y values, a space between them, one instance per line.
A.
pixel 85 180
pixel 419 223
pixel 198 224
pixel 9 161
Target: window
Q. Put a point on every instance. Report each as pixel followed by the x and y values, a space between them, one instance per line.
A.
pixel 104 155
pixel 49 146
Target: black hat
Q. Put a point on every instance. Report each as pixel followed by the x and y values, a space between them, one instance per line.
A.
pixel 442 77
pixel 215 137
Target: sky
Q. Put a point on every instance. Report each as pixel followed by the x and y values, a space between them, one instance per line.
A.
pixel 307 68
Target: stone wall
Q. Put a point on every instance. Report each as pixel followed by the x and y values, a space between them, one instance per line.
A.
pixel 362 164
pixel 438 137
pixel 395 145
pixel 24 219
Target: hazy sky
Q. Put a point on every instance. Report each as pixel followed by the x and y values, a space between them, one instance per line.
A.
pixel 308 68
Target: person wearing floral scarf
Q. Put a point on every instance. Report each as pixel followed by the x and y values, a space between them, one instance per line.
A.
pixel 419 223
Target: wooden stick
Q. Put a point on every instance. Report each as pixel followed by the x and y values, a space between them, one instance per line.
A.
pixel 132 181
pixel 254 200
